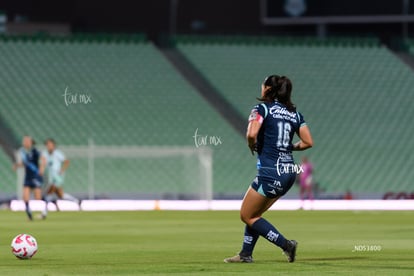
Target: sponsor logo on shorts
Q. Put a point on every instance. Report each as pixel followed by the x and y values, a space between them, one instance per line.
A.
pixel 288 168
pixel 272 191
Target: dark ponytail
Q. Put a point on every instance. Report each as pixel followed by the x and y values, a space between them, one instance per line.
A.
pixel 280 90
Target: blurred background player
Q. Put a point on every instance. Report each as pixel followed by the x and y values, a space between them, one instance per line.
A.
pixel 306 179
pixel 56 164
pixel 29 158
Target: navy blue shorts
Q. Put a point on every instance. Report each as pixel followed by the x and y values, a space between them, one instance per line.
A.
pixel 33 182
pixel 274 187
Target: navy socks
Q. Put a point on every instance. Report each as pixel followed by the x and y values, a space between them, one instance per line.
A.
pixel 28 212
pixel 249 241
pixel 263 228
pixel 269 232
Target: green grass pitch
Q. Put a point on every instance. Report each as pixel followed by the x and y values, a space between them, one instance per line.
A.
pixel 195 243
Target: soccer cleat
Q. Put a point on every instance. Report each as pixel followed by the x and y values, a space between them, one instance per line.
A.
pixel 290 251
pixel 41 216
pixel 239 259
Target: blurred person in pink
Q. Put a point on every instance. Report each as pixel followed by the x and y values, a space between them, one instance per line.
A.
pixel 306 179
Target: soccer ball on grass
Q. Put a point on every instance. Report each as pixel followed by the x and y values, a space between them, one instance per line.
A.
pixel 24 246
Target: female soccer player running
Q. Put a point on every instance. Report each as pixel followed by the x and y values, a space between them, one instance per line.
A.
pixel 56 164
pixel 29 158
pixel 271 128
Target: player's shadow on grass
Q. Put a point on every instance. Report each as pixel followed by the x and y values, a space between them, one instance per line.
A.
pixel 333 258
pixel 326 262
pixel 317 259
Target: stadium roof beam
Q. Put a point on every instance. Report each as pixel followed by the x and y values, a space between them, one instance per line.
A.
pixel 352 19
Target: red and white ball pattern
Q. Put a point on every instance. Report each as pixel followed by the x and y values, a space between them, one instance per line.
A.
pixel 24 246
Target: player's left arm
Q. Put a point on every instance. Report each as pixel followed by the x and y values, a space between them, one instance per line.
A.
pixel 306 140
pixel 65 166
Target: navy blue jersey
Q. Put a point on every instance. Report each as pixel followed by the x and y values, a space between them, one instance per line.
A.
pixel 30 160
pixel 274 141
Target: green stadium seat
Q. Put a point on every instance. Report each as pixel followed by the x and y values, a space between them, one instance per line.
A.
pixel 137 99
pixel 8 178
pixel 353 94
pixel 409 44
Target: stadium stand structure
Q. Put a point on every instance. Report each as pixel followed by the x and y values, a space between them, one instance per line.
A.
pixel 355 95
pixel 409 45
pixel 408 52
pixel 8 143
pixel 8 178
pixel 137 99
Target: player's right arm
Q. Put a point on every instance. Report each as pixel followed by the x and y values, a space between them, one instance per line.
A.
pixel 19 161
pixel 255 122
pixel 42 165
pixel 17 165
pixel 251 135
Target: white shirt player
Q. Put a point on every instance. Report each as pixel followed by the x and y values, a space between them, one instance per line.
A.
pixel 54 163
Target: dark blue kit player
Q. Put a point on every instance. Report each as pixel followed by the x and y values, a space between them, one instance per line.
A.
pixel 272 125
pixel 29 158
